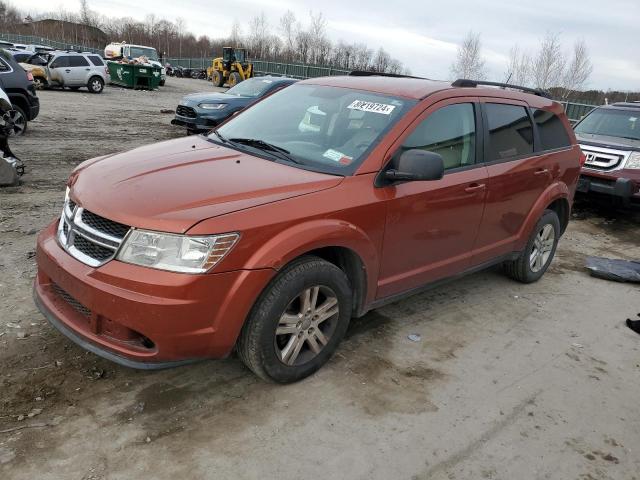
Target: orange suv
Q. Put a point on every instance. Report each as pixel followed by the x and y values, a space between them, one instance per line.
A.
pixel 325 200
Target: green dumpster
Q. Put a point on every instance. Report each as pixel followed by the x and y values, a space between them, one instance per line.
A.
pixel 134 76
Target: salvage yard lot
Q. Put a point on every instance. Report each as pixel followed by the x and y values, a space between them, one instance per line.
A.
pixel 505 381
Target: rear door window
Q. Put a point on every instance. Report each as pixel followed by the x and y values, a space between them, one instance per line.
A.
pixel 96 60
pixel 450 132
pixel 551 130
pixel 78 61
pixel 510 132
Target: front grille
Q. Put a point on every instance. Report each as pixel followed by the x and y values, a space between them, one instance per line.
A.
pixel 104 225
pixel 186 111
pixel 88 237
pixel 91 249
pixel 78 307
pixel 602 158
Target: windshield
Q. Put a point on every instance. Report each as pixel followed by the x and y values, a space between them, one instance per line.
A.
pixel 253 87
pixel 327 129
pixel 611 122
pixel 150 53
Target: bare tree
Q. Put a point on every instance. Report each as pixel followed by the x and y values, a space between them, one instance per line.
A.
pixel 469 62
pixel 288 24
pixel 180 26
pixel 235 37
pixel 259 35
pixel 577 71
pixel 549 63
pixel 519 67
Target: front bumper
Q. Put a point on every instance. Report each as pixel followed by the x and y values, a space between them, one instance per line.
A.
pixel 140 317
pixel 200 123
pixel 618 184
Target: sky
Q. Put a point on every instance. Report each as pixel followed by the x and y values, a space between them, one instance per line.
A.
pixel 424 34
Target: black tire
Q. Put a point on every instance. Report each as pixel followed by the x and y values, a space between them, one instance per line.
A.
pixel 217 78
pixel 258 344
pixel 521 269
pixel 95 84
pixel 234 79
pixel 19 118
pixel 161 83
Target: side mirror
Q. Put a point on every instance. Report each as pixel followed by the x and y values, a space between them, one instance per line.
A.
pixel 417 165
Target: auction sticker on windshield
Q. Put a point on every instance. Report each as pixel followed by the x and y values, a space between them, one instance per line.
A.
pixel 337 156
pixel 382 108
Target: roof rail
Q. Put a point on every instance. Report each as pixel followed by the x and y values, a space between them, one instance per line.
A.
pixel 463 82
pixel 364 73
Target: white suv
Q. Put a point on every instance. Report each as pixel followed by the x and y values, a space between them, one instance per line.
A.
pixel 75 70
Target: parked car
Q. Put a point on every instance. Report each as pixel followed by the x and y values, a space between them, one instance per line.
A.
pixel 200 112
pixel 610 138
pixel 267 238
pixel 19 86
pixel 76 70
pixel 11 167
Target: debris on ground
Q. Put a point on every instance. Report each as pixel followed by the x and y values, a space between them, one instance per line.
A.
pixel 614 269
pixel 414 337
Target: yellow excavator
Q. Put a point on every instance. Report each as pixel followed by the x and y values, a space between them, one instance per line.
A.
pixel 232 68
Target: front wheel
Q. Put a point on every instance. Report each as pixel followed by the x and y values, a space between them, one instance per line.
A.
pixel 298 321
pixel 95 85
pixel 234 79
pixel 537 255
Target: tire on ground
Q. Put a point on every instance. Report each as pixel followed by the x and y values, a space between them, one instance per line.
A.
pixel 520 269
pixel 256 344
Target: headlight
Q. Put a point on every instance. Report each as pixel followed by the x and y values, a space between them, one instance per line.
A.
pixel 176 253
pixel 633 161
pixel 212 106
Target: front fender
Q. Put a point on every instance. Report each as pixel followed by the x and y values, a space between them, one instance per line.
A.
pixel 553 192
pixel 315 234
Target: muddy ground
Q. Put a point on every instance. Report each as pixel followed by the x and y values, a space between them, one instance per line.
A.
pixel 507 381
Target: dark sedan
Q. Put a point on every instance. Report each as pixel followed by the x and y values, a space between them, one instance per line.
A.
pixel 200 112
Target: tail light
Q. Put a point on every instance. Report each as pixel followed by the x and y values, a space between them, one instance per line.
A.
pixel 583 158
pixel 30 76
pixel 106 70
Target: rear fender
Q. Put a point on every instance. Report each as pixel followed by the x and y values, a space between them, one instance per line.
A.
pixel 553 192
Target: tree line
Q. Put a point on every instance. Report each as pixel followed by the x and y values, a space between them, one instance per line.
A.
pixel 564 72
pixel 291 40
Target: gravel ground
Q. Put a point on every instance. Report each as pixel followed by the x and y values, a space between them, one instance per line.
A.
pixel 505 381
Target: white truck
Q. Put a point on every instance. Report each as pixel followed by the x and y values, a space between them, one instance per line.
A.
pixel 115 51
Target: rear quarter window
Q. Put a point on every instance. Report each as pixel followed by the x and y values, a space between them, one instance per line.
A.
pixel 4 66
pixel 551 130
pixel 96 60
pixel 510 131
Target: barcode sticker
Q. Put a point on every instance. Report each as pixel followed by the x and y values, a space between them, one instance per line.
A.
pixel 382 108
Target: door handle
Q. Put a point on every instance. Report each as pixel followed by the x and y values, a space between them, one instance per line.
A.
pixel 474 187
pixel 87 69
pixel 67 70
pixel 541 171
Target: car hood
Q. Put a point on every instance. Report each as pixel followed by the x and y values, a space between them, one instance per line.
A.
pixel 608 141
pixel 173 185
pixel 196 98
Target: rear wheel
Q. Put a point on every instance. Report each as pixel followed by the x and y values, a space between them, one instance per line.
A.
pixel 95 85
pixel 298 322
pixel 217 78
pixel 540 249
pixel 18 118
pixel 234 79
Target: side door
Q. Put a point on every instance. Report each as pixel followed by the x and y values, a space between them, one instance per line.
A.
pixel 57 68
pixel 517 176
pixel 431 226
pixel 78 71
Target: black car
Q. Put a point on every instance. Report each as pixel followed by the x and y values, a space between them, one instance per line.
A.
pixel 21 91
pixel 200 112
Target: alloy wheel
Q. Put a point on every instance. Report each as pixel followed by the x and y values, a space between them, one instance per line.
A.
pixel 542 247
pixel 19 122
pixel 307 324
pixel 96 86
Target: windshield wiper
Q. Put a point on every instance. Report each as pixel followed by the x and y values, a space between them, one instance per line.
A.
pixel 266 146
pixel 220 136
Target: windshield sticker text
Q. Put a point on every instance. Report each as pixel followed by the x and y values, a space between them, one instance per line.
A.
pixel 382 108
pixel 337 156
